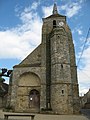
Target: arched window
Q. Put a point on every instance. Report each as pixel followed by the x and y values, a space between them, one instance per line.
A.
pixel 54 23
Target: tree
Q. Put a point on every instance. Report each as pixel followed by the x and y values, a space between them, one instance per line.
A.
pixel 2 79
pixel 5 72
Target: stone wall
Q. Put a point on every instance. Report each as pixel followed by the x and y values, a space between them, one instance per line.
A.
pixel 51 70
pixel 23 82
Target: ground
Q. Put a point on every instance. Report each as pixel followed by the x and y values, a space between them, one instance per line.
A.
pixel 50 117
pixel 86 112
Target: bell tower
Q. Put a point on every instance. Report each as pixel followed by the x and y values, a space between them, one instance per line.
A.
pixel 58 59
pixel 46 80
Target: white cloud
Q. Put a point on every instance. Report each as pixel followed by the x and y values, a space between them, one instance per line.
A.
pixel 18 42
pixel 83 88
pixel 35 5
pixel 79 32
pixel 71 9
pixel 47 11
pixel 78 29
pixel 12 45
pixel 84 71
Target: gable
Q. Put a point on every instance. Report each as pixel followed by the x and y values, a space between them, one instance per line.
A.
pixel 33 58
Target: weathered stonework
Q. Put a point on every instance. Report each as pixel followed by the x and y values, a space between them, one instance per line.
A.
pixel 46 80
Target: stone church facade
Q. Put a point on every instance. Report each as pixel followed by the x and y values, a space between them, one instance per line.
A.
pixel 46 80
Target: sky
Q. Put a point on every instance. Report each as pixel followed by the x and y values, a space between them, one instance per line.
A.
pixel 20 31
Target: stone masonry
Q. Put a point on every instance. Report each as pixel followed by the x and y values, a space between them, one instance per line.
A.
pixel 46 80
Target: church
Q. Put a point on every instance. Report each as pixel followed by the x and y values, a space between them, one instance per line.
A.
pixel 46 80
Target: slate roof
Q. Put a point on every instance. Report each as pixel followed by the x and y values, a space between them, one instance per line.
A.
pixel 55 15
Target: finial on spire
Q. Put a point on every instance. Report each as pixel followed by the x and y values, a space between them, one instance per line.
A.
pixel 55 9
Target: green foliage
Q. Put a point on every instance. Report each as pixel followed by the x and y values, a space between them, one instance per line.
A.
pixel 2 79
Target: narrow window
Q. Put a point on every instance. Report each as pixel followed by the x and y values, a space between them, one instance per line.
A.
pixel 54 23
pixel 62 91
pixel 61 65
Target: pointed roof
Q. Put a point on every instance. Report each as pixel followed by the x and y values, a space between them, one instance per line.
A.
pixel 55 13
pixel 55 9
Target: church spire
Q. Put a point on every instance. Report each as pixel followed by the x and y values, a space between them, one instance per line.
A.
pixel 55 9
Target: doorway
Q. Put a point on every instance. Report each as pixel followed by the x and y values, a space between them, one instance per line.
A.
pixel 34 99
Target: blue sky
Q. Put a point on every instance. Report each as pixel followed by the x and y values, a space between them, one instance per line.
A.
pixel 20 31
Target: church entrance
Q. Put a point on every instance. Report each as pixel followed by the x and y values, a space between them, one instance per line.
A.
pixel 28 93
pixel 34 99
